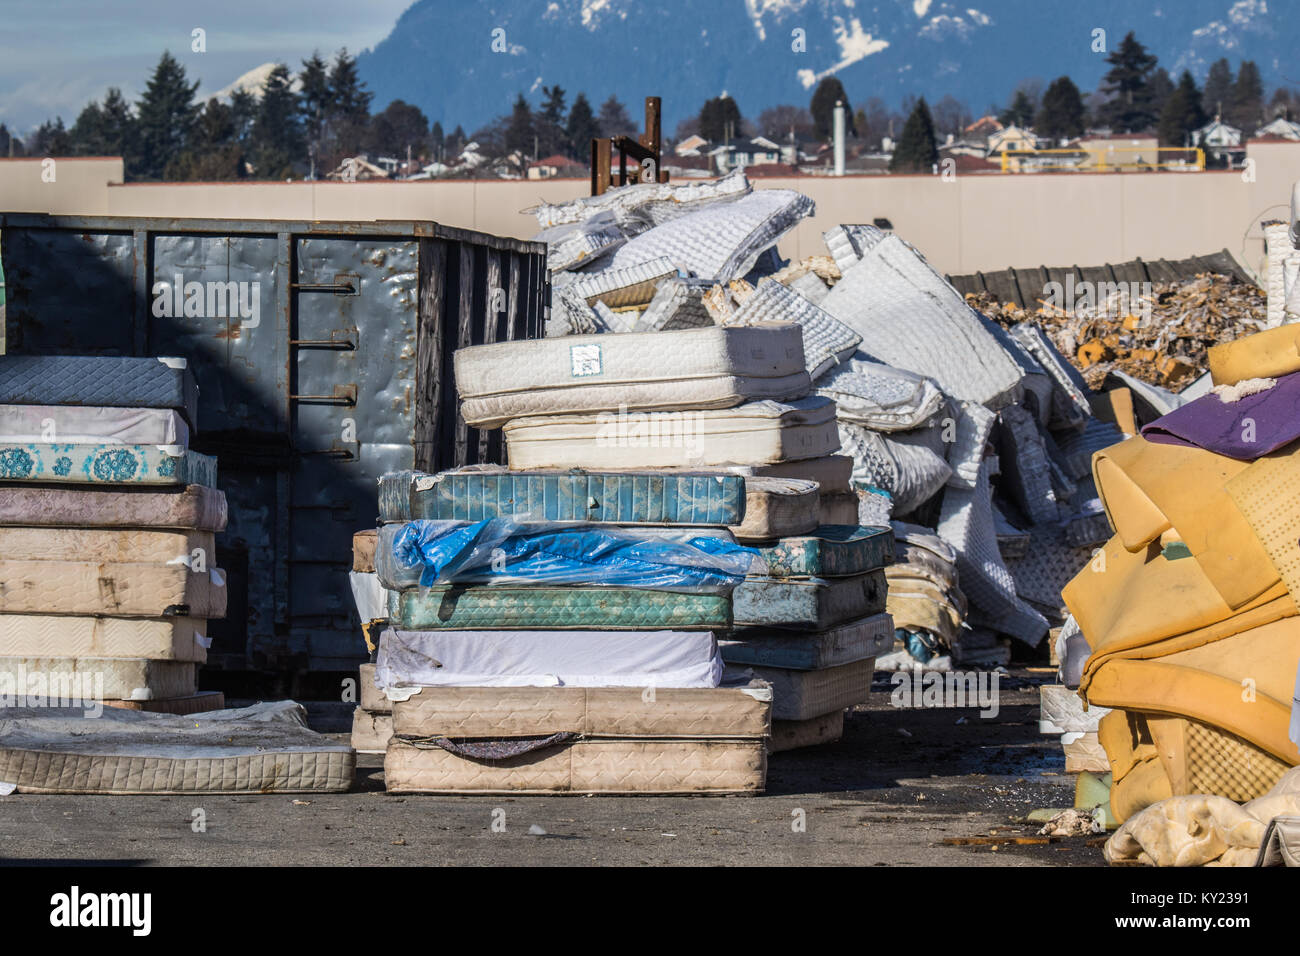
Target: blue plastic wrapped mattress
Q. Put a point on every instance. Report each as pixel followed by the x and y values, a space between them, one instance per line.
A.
pixel 107 464
pixel 479 492
pixel 113 381
pixel 830 551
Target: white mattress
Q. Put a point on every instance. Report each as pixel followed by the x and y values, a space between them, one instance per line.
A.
pixel 831 472
pixel 545 659
pixel 92 425
pixel 692 368
pixel 53 635
pixel 96 678
pixel 118 588
pixel 109 545
pixel 754 433
pixel 266 748
pixel 370 596
pixel 803 695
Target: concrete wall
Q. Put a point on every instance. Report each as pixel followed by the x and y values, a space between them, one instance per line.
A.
pixel 974 222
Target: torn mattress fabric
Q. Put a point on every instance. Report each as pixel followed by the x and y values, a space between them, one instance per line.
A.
pixel 879 397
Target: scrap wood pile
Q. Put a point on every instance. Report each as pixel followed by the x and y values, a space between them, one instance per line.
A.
pixel 1161 337
pixel 108 579
pixel 971 440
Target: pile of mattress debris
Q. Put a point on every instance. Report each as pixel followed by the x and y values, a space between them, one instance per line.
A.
pixel 108 578
pixel 655 564
pixel 972 440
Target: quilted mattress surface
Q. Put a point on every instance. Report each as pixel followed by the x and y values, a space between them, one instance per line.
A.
pixel 753 433
pixel 98 678
pixel 833 473
pixel 193 506
pixel 91 425
pixel 478 492
pixel 710 367
pixel 808 603
pixel 810 650
pixel 803 695
pixel 830 551
pixel 115 588
pixel 793 734
pixel 483 607
pixel 546 659
pixel 266 748
pixel 106 464
pixel 777 507
pixel 113 381
pixel 109 545
pixel 370 731
pixel 499 713
pixel 56 635
pixel 602 765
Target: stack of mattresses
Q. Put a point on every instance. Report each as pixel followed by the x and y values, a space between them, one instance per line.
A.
pixel 108 569
pixel 735 399
pixel 538 686
pixel 812 625
pixel 1189 610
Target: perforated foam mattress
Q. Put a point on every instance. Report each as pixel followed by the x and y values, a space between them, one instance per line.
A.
pixel 120 589
pixel 546 659
pixel 106 464
pixel 484 607
pixel 710 367
pixel 93 425
pixel 193 506
pixel 478 492
pixel 112 381
pixel 807 603
pixel 57 635
pixel 810 650
pixel 97 678
pixel 830 551
pixel 803 695
pixel 266 748
pixel 757 432
pixel 596 740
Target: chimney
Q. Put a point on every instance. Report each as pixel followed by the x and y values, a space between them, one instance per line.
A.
pixel 839 137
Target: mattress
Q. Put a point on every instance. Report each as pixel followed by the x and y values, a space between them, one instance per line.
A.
pixel 192 548
pixel 56 635
pixel 603 765
pixel 840 508
pixel 858 640
pixel 369 596
pixel 778 507
pixel 477 492
pixel 372 698
pixel 794 734
pixel 484 607
pixel 106 464
pixel 113 381
pixel 363 551
pixel 594 658
pixel 1061 711
pixel 266 748
pixel 199 703
pixel 96 678
pixel 833 473
pixel 193 506
pixel 830 551
pixel 808 603
pixel 371 731
pixel 826 342
pixel 880 397
pixel 693 368
pixel 91 425
pixel 803 695
pixel 120 589
pixel 755 433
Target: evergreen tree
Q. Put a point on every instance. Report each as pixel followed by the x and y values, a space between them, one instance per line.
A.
pixel 1218 87
pixel 519 132
pixel 916 152
pixel 456 142
pixel 1161 89
pixel 276 140
pixel 1062 112
pixel 10 145
pixel 107 130
pixel 720 119
pixel 1182 113
pixel 613 119
pixel 214 153
pixel 399 125
pixel 437 140
pixel 243 112
pixel 1128 84
pixel 51 139
pixel 1020 112
pixel 580 129
pixel 549 122
pixel 1245 107
pixel 822 106
pixel 314 105
pixel 349 108
pixel 166 115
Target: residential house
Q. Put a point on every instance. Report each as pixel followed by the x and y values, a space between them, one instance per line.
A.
pixel 1281 126
pixel 745 152
pixel 694 145
pixel 556 165
pixel 1221 142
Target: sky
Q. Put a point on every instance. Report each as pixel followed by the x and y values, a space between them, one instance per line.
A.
pixel 56 55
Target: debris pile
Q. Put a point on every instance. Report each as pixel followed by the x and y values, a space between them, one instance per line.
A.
pixel 108 572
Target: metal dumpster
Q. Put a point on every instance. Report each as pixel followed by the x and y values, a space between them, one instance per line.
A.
pixel 323 356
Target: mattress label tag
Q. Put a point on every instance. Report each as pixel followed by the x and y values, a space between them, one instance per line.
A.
pixel 586 360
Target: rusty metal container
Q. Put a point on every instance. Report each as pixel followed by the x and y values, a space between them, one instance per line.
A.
pixel 323 356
